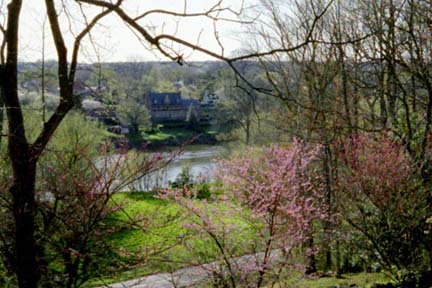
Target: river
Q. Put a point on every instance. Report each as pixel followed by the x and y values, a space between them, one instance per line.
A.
pixel 198 158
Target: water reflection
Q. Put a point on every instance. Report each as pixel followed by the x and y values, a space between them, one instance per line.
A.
pixel 198 158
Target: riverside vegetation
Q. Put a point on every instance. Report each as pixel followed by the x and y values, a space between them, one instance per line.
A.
pixel 262 200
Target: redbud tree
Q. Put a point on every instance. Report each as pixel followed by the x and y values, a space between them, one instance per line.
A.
pixel 381 196
pixel 275 191
pixel 278 186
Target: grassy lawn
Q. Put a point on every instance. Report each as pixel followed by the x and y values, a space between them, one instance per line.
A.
pixel 364 280
pixel 168 133
pixel 297 280
pixel 150 231
pixel 152 238
pixel 159 243
pixel 177 135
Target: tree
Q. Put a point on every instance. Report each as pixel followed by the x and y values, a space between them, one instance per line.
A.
pixel 159 80
pixel 24 155
pixel 308 84
pixel 76 179
pixel 279 185
pixel 380 195
pixel 274 192
pixel 237 106
pixel 134 113
pixel 128 94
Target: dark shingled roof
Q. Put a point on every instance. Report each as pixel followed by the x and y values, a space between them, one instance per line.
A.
pixel 159 98
pixel 189 102
pixel 173 98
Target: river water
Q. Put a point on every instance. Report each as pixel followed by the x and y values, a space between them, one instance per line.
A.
pixel 199 159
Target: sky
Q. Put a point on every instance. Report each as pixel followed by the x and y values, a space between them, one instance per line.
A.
pixel 113 41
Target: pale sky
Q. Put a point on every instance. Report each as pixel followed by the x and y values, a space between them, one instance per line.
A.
pixel 115 42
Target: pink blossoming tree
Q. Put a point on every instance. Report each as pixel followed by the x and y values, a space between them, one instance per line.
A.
pixel 382 197
pixel 274 191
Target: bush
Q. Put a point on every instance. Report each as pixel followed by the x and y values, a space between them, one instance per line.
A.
pixel 185 179
pixel 203 191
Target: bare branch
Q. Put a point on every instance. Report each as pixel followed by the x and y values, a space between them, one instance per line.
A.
pixel 65 78
pixel 207 13
pixel 82 34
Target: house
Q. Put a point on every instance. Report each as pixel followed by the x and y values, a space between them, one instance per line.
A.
pixel 98 111
pixel 167 107
pixel 209 99
pixel 208 107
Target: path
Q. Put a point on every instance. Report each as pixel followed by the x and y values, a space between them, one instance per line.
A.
pixel 187 277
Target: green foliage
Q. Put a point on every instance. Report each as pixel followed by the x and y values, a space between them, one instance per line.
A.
pixel 174 136
pixel 184 178
pixel 134 113
pixel 101 74
pixel 67 243
pixel 77 133
pixel 159 79
pixel 204 191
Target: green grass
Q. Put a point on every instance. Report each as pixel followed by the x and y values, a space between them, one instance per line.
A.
pixel 297 280
pixel 158 220
pixel 166 133
pixel 360 279
pixel 175 135
pixel 159 242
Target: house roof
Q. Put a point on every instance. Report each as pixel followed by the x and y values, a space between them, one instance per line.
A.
pixel 190 102
pixel 173 98
pixel 168 99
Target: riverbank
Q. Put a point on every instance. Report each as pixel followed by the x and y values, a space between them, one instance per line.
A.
pixel 195 162
pixel 172 136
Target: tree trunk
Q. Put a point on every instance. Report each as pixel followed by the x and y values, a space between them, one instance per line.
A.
pixel 426 165
pixel 327 169
pixel 310 261
pixel 24 209
pixel 1 110
pixel 23 162
pixel 337 260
